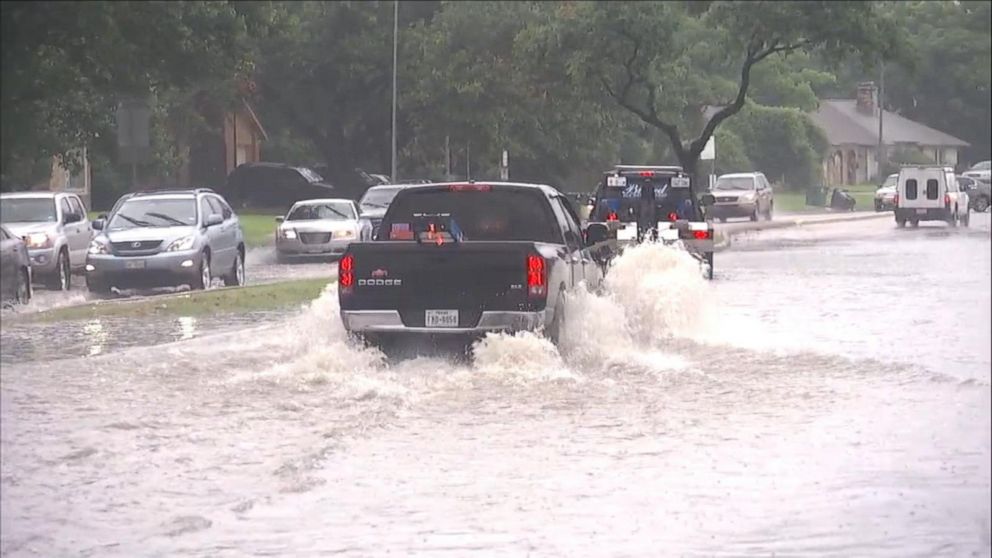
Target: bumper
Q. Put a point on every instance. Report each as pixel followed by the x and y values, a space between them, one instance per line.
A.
pixel 725 210
pixel 296 248
pixel 885 204
pixel 928 214
pixel 159 270
pixel 389 321
pixel 43 260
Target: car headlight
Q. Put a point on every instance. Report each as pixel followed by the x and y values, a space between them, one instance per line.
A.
pixel 98 247
pixel 747 196
pixel 344 234
pixel 289 234
pixel 181 244
pixel 38 240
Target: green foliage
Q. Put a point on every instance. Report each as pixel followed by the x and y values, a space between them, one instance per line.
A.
pixel 67 64
pixel 731 152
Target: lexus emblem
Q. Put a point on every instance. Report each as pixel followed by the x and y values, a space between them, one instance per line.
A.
pixel 135 245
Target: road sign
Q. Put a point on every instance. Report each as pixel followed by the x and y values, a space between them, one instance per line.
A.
pixel 709 150
pixel 133 117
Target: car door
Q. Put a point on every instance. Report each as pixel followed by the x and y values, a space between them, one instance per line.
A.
pixel 591 272
pixel 225 234
pixel 81 234
pixel 213 235
pixel 764 193
pixel 570 251
pixel 71 230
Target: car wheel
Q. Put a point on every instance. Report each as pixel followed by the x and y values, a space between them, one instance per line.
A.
pixel 771 209
pixel 878 205
pixel 754 214
pixel 237 276
pixel 23 293
pixel 981 204
pixel 202 279
pixel 61 280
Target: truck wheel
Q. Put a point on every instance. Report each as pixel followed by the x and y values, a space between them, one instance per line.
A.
pixel 553 331
pixel 900 222
pixel 61 279
pixel 709 260
pixel 878 206
pixel 915 223
pixel 966 219
pixel 953 219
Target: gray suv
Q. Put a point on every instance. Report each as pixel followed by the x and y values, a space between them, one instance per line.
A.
pixel 167 238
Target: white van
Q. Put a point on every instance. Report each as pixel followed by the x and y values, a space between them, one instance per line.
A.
pixel 930 193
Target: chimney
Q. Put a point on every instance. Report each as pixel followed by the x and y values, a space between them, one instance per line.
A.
pixel 867 93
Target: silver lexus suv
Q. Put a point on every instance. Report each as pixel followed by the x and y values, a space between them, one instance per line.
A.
pixel 167 238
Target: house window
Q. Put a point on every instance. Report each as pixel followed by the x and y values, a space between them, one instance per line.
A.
pixel 911 189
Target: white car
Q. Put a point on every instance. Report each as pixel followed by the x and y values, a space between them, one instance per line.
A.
pixel 980 171
pixel 930 193
pixel 318 228
pixel 55 230
pixel 885 195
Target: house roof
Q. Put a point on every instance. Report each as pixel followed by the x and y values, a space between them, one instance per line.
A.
pixel 843 124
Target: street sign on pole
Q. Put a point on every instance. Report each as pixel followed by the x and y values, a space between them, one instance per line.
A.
pixel 504 166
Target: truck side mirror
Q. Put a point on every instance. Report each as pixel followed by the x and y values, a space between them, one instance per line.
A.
pixel 596 233
pixel 707 200
pixel 97 224
pixel 280 219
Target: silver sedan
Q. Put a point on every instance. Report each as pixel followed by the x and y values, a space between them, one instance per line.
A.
pixel 317 228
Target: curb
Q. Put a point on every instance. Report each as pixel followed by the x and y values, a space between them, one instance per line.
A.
pixel 726 235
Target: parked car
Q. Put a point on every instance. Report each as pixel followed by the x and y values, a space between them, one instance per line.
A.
pixel 373 206
pixel 980 171
pixel 979 193
pixel 15 268
pixel 885 195
pixel 930 193
pixel 56 230
pixel 742 195
pixel 273 185
pixel 314 228
pixel 167 238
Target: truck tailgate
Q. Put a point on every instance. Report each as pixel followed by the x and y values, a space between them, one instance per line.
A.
pixel 470 277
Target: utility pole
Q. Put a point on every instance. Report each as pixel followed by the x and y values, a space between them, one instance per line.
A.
pixel 882 156
pixel 468 160
pixel 447 157
pixel 396 26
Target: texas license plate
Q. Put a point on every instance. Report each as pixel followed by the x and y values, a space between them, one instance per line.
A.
pixel 921 211
pixel 134 264
pixel 441 318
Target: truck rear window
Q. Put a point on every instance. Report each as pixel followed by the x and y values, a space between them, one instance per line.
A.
pixel 932 192
pixel 498 214
pixel 911 189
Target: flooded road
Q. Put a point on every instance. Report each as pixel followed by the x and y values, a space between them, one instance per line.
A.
pixel 260 267
pixel 828 395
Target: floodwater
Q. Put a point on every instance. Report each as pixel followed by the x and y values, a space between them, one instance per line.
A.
pixel 260 267
pixel 827 395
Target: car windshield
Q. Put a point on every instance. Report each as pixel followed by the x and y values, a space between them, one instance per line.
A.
pixel 309 174
pixel 734 183
pixel 27 210
pixel 335 211
pixel 154 213
pixel 494 215
pixel 378 198
pixel 984 165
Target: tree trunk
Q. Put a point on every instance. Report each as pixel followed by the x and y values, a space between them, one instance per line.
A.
pixel 690 164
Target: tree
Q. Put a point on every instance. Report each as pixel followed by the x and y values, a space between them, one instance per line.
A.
pixel 66 65
pixel 665 61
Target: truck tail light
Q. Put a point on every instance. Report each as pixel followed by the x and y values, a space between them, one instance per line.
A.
pixel 701 235
pixel 646 174
pixel 947 200
pixel 895 199
pixel 537 276
pixel 470 187
pixel 346 273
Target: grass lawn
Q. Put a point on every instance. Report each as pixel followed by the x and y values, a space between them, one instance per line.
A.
pixel 272 296
pixel 789 201
pixel 259 229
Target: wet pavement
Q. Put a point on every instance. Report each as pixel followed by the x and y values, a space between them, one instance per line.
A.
pixel 260 267
pixel 827 395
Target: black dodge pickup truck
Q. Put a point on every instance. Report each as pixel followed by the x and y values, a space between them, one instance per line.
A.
pixel 466 258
